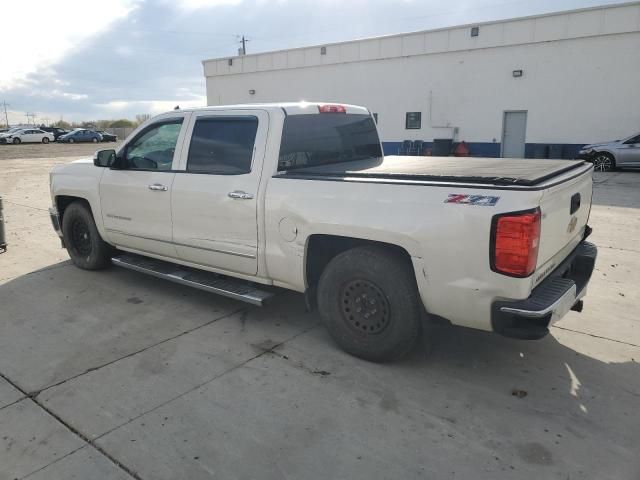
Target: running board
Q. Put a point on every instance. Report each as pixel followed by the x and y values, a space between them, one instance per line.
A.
pixel 210 282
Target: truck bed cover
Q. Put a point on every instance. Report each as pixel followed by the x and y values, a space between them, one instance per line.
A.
pixel 470 170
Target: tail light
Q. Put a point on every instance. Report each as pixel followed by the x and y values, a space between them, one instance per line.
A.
pixel 332 109
pixel 515 238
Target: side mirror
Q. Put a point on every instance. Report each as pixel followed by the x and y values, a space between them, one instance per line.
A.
pixel 104 158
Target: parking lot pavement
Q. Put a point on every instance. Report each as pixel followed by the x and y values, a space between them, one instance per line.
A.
pixel 114 375
pixel 52 150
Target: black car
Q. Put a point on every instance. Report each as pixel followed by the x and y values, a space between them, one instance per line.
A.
pixel 107 137
pixel 57 132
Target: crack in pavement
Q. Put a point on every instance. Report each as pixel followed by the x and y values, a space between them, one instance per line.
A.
pixel 212 379
pixel 26 206
pixel 35 393
pixel 73 430
pixel 596 336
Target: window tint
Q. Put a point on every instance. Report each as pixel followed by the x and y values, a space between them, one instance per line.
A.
pixel 222 145
pixel 153 149
pixel 633 140
pixel 319 139
pixel 413 120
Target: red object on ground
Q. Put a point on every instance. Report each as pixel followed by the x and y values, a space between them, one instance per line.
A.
pixel 462 150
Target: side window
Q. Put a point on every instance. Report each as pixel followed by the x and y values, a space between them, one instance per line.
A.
pixel 633 140
pixel 413 120
pixel 154 147
pixel 222 145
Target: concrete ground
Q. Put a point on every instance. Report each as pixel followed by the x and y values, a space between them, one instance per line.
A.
pixel 115 375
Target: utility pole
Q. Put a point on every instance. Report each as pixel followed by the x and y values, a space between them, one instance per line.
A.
pixel 6 117
pixel 244 41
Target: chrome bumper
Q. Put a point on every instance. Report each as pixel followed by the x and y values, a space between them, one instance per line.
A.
pixel 561 292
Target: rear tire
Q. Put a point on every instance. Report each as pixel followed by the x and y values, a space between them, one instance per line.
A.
pixel 369 302
pixel 84 244
pixel 94 140
pixel 604 162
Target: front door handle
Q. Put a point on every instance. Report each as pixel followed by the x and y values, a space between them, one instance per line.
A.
pixel 158 187
pixel 240 195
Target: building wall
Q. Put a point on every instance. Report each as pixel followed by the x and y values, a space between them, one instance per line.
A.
pixel 580 84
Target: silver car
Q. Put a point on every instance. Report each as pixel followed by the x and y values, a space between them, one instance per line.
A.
pixel 610 155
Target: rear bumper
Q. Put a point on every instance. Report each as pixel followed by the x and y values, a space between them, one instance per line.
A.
pixel 562 291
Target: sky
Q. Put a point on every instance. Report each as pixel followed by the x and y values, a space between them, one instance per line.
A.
pixel 83 60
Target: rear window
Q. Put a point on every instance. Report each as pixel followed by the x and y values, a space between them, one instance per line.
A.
pixel 222 145
pixel 320 139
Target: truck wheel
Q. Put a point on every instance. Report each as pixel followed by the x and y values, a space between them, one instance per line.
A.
pixel 369 303
pixel 84 244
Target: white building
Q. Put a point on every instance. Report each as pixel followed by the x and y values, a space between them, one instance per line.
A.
pixel 509 87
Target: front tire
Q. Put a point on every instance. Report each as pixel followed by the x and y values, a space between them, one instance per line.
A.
pixel 604 162
pixel 94 140
pixel 17 141
pixel 45 140
pixel 369 302
pixel 71 140
pixel 84 244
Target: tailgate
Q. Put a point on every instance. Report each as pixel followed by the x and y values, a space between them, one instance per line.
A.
pixel 565 211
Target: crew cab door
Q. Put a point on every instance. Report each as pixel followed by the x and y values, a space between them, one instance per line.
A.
pixel 135 194
pixel 215 195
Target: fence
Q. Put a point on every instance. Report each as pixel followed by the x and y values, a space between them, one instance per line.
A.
pixel 122 133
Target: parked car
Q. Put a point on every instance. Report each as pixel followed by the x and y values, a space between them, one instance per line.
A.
pixel 107 137
pixel 608 156
pixel 57 132
pixel 373 241
pixel 28 135
pixel 81 135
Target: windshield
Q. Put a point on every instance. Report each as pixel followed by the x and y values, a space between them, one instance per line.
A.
pixel 319 139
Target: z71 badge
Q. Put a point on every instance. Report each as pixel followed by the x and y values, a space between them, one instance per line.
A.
pixel 481 200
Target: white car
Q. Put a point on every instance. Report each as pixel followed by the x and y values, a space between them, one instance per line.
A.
pixel 27 135
pixel 238 200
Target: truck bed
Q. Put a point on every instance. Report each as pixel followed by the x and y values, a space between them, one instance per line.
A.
pixel 470 170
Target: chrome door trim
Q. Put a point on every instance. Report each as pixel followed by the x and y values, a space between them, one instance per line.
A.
pixel 228 252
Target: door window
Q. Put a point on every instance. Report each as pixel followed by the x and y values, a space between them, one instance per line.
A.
pixel 154 147
pixel 222 145
pixel 633 140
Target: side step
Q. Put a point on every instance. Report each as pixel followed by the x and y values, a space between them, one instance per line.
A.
pixel 207 281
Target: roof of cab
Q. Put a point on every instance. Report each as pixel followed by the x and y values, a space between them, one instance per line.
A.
pixel 290 108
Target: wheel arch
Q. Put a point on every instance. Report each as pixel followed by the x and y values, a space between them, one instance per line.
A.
pixel 63 201
pixel 322 248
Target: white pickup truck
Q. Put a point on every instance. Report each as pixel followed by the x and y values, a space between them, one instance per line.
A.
pixel 249 199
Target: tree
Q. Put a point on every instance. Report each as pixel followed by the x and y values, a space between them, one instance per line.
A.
pixel 62 124
pixel 122 123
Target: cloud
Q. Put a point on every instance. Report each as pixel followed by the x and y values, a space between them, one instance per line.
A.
pixel 41 34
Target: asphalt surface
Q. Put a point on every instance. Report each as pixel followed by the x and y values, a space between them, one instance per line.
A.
pixel 115 375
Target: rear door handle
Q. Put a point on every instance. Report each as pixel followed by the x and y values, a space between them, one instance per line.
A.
pixel 240 195
pixel 158 187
